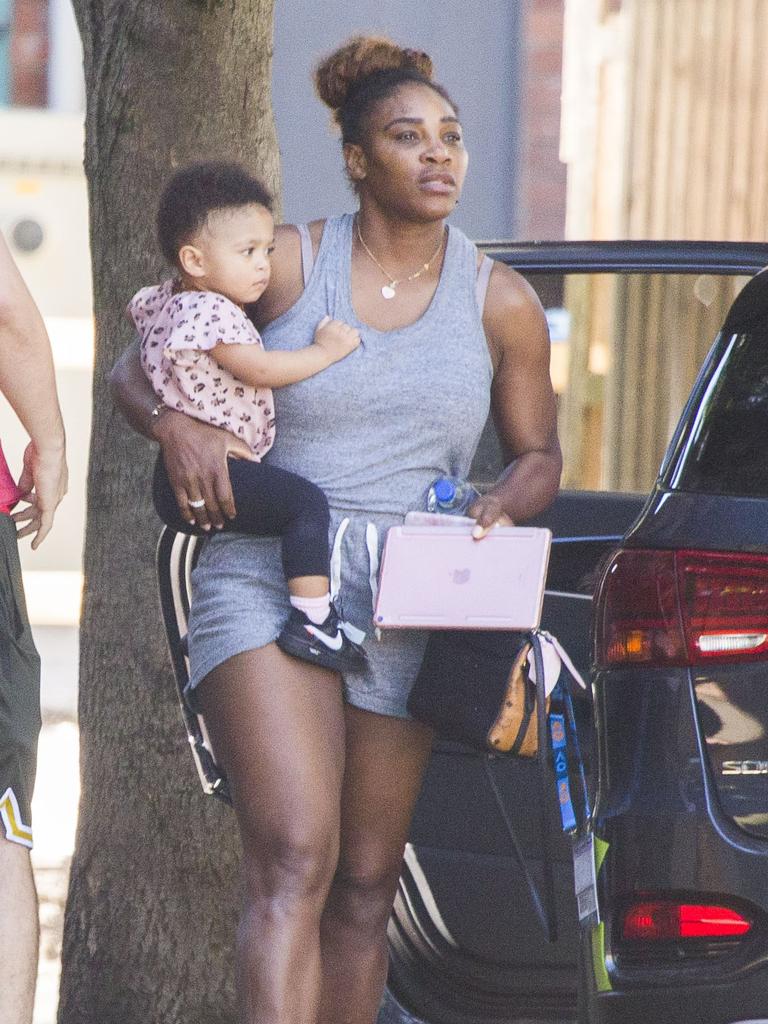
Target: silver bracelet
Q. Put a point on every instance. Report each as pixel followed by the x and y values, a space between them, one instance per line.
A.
pixel 156 413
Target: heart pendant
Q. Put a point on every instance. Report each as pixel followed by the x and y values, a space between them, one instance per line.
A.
pixel 388 291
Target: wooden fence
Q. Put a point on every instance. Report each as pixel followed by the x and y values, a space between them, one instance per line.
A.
pixel 665 134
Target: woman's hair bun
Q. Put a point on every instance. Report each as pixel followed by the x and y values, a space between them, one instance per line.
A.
pixel 341 71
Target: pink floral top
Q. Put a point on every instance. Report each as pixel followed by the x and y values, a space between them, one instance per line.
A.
pixel 177 331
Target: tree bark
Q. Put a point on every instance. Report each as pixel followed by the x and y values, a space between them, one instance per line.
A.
pixel 152 903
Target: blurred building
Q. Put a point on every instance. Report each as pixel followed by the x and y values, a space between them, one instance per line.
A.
pixel 500 61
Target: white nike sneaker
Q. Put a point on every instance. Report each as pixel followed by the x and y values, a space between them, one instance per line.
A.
pixel 327 644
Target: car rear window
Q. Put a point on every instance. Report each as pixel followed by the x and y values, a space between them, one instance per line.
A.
pixel 727 450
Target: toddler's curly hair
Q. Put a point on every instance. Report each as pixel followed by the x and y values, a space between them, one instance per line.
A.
pixel 197 190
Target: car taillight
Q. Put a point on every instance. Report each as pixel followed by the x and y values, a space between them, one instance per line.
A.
pixel 665 920
pixel 682 608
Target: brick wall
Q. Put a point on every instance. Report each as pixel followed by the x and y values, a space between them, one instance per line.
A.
pixel 29 53
pixel 542 175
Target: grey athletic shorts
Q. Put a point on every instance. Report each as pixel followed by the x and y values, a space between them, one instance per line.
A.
pixel 19 696
pixel 240 602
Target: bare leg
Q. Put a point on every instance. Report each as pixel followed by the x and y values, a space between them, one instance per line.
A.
pixel 19 934
pixel 277 726
pixel 308 586
pixel 385 761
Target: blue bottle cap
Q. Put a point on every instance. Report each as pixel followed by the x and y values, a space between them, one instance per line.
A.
pixel 445 491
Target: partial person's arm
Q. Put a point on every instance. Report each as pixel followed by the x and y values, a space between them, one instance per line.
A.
pixel 523 403
pixel 277 368
pixel 27 381
pixel 195 453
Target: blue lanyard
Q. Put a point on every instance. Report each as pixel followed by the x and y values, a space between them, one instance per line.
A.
pixel 559 737
pixel 561 728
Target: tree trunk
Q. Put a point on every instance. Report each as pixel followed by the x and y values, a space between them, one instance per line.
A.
pixel 152 902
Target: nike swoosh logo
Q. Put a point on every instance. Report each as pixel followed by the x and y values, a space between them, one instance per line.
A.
pixel 332 642
pixel 352 633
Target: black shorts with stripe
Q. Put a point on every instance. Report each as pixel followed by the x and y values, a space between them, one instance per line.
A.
pixel 19 696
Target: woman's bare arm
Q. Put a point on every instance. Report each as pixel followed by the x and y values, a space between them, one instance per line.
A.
pixel 523 403
pixel 285 283
pixel 132 391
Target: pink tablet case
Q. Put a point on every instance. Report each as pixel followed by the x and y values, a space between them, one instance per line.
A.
pixel 438 577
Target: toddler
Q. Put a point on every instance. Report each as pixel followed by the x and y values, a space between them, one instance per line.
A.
pixel 205 358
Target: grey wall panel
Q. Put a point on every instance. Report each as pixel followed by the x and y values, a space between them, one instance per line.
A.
pixel 476 51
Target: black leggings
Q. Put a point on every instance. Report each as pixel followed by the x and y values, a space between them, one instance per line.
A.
pixel 270 502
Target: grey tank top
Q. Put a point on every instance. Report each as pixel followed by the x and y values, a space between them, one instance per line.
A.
pixel 409 405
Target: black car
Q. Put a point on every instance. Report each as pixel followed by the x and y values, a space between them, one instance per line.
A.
pixel 675 746
pixel 681 688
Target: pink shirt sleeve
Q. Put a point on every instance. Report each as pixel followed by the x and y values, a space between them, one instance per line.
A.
pixel 202 320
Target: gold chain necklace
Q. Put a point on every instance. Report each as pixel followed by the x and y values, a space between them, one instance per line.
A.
pixel 388 290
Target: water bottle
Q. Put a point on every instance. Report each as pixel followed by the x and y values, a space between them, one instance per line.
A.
pixel 451 496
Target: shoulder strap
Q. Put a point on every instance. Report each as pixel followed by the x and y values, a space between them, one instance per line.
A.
pixel 307 254
pixel 483 277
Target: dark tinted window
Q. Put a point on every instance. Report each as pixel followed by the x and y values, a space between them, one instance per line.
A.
pixel 728 448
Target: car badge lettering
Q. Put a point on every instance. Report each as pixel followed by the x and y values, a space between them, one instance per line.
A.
pixel 744 768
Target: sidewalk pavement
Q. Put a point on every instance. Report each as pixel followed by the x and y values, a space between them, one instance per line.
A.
pixel 54 807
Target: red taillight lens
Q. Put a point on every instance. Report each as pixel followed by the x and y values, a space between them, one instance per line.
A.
pixel 663 920
pixel 725 604
pixel 682 608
